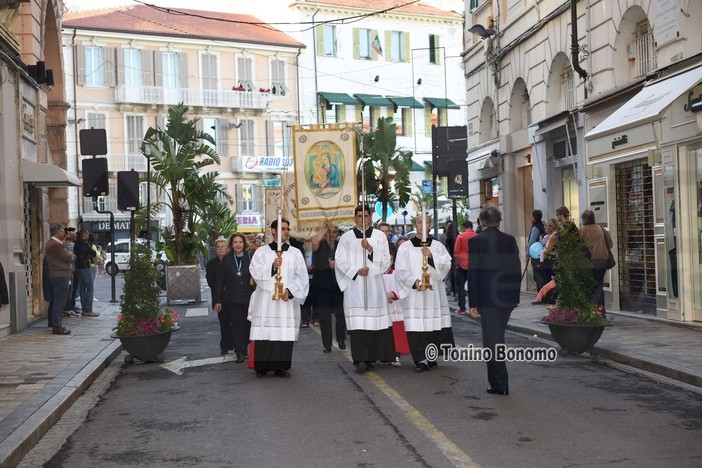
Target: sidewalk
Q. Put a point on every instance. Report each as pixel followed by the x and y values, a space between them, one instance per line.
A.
pixel 42 374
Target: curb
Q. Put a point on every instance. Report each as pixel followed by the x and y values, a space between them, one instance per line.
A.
pixel 78 378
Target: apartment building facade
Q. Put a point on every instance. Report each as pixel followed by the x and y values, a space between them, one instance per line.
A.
pixel 127 66
pixel 374 58
pixel 593 105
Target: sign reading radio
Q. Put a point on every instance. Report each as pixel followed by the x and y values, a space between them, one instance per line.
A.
pixel 264 163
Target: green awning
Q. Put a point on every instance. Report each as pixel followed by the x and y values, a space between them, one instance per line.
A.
pixel 338 99
pixel 374 100
pixel 441 103
pixel 406 102
pixel 417 167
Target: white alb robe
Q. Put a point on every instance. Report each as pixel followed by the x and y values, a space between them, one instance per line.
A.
pixel 277 320
pixel 424 310
pixel 349 259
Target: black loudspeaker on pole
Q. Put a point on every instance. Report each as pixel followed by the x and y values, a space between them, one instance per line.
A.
pixel 95 177
pixel 128 190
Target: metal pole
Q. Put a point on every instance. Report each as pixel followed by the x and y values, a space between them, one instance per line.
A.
pixel 148 199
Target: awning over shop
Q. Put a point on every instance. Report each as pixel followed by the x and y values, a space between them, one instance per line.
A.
pixel 441 103
pixel 417 167
pixel 338 99
pixel 548 125
pixel 406 102
pixel 374 100
pixel 649 104
pixel 47 175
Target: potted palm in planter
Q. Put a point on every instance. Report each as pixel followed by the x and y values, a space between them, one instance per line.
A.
pixel 143 326
pixel 575 322
pixel 180 155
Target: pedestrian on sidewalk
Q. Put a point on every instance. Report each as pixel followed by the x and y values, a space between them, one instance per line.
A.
pixel 232 294
pixel 84 258
pixel 275 324
pixel 494 283
pixel 426 308
pixel 212 268
pixel 4 296
pixel 60 261
pixel 362 257
pixel 460 252
pixel 537 230
pixel 74 285
pixel 329 300
pixel 598 242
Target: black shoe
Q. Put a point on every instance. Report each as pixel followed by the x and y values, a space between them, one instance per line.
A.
pixel 361 367
pixel 326 350
pixel 61 331
pixel 223 352
pixel 239 358
pixel 433 364
pixel 342 345
pixel 495 391
pixel 282 374
pixel 421 367
pixel 536 303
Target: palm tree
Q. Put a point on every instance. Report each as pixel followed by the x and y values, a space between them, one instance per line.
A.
pixel 385 166
pixel 178 153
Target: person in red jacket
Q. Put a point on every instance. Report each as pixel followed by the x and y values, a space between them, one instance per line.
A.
pixel 460 258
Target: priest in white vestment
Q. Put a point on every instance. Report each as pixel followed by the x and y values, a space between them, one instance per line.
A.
pixel 427 313
pixel 365 304
pixel 275 324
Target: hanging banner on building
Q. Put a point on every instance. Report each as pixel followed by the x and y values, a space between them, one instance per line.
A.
pixel 325 170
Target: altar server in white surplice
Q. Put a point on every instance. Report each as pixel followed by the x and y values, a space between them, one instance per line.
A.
pixel 365 304
pixel 275 325
pixel 427 314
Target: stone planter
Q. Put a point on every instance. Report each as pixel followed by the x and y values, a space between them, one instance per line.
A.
pixel 183 283
pixel 576 338
pixel 147 348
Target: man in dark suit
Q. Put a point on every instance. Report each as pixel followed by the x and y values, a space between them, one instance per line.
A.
pixel 494 280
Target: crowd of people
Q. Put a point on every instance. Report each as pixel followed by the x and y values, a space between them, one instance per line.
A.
pixel 71 261
pixel 596 241
pixel 386 294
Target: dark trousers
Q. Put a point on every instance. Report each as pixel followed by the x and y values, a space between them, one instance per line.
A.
pixel 329 303
pixel 234 328
pixel 308 310
pixel 461 277
pixel 538 274
pixel 60 288
pixel 493 323
pixel 72 292
pixel 598 273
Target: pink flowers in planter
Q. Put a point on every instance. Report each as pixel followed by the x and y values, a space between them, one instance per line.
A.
pixel 166 321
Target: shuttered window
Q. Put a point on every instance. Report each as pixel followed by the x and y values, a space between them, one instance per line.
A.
pixel 209 71
pixel 278 86
pixel 247 142
pixel 244 73
pixel 135 133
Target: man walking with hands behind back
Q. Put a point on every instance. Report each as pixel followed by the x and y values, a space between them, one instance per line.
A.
pixel 494 280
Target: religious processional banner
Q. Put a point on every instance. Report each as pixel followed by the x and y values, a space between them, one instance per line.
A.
pixel 325 175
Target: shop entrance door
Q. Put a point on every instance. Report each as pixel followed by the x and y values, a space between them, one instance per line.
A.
pixel 635 240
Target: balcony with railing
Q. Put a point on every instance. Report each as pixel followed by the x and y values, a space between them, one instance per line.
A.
pixel 121 162
pixel 158 95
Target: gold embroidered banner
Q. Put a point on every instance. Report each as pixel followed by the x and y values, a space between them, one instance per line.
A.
pixel 325 175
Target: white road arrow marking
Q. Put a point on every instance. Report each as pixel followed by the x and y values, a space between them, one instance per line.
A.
pixel 178 365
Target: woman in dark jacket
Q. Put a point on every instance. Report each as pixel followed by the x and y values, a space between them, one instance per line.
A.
pixel 231 297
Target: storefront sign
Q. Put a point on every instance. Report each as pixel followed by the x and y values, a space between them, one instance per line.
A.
pixel 264 163
pixel 252 220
